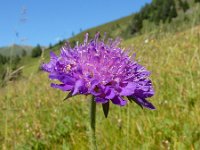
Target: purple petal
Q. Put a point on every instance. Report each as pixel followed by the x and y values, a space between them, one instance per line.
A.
pixel 143 102
pixel 49 67
pixel 83 90
pixel 63 87
pixel 86 38
pixel 144 89
pixel 150 93
pixel 94 83
pixel 77 86
pixel 97 89
pixel 129 89
pixel 110 93
pixel 53 55
pixel 101 100
pixel 66 79
pixel 119 101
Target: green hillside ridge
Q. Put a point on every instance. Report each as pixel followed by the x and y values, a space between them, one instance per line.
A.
pixel 15 49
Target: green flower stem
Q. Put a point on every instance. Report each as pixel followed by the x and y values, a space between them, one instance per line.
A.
pixel 93 123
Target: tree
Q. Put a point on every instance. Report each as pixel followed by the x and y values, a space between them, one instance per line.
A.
pixel 184 5
pixel 136 25
pixel 157 11
pixel 37 51
pixel 60 42
pixel 171 9
pixel 145 11
pixel 197 1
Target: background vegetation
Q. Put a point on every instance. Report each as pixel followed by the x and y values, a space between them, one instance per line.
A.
pixel 33 115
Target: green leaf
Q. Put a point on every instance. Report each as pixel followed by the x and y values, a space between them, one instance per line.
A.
pixel 105 109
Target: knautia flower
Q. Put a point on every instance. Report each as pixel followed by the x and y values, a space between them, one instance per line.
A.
pixel 101 69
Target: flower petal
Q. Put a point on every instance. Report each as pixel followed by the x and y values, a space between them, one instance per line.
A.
pixel 53 55
pixel 101 100
pixel 97 89
pixel 63 87
pixel 129 89
pixel 110 93
pixel 142 102
pixel 119 101
pixel 66 79
pixel 77 86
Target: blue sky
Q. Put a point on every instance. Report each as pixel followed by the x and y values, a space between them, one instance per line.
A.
pixel 31 22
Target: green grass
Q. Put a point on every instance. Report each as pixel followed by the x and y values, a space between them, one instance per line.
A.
pixel 34 116
pixel 112 29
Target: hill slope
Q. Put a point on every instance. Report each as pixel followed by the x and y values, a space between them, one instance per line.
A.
pixel 14 50
pixel 33 115
pixel 121 27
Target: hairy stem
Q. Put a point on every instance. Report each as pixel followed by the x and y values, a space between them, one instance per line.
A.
pixel 93 123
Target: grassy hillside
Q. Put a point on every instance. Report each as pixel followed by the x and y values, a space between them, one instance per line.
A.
pixel 112 29
pixel 14 50
pixel 34 116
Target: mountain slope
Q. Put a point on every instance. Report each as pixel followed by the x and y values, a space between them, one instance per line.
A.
pixel 34 116
pixel 14 50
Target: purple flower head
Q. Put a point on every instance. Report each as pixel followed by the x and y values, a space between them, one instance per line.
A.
pixel 101 69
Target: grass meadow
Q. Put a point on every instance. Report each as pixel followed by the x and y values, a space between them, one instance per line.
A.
pixel 34 116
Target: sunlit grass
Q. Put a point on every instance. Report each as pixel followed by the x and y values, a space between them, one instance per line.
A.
pixel 33 115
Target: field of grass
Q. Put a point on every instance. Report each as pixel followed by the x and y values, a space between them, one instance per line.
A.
pixel 34 116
